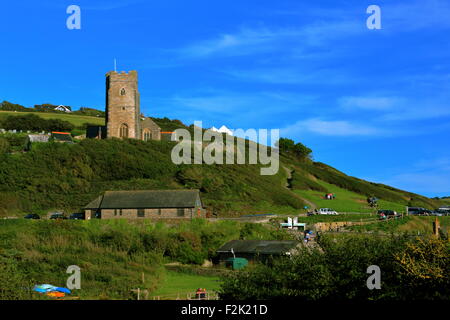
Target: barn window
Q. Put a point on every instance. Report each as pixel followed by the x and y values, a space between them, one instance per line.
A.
pixel 122 92
pixel 180 212
pixel 123 131
pixel 141 213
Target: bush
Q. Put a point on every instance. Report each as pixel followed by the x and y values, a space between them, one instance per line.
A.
pixel 288 146
pixel 410 270
pixel 4 145
pixel 32 122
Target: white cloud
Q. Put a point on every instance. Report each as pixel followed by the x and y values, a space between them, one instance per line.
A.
pixel 258 108
pixel 369 103
pixel 398 109
pixel 424 183
pixel 341 128
pixel 245 42
pixel 422 111
pixel 249 41
pixel 292 76
pixel 429 176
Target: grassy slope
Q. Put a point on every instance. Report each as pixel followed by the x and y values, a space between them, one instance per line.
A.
pixel 241 189
pixel 38 180
pixel 312 180
pixel 76 120
pixel 345 201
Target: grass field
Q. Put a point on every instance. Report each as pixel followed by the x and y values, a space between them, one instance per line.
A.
pixel 178 285
pixel 345 201
pixel 76 120
pixel 410 224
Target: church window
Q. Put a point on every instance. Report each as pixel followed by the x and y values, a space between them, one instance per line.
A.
pixel 147 135
pixel 123 131
pixel 122 92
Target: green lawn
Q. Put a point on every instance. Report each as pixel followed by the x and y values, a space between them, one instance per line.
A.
pixel 76 120
pixel 177 285
pixel 345 201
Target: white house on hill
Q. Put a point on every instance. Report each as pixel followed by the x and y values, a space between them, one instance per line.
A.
pixel 62 108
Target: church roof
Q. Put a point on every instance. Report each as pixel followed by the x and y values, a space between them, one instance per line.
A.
pixel 146 199
pixel 149 123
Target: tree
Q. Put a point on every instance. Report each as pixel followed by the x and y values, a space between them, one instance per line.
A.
pixel 35 123
pixel 426 268
pixel 8 106
pixel 288 146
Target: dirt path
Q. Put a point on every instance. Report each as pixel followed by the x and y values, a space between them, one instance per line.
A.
pixel 288 185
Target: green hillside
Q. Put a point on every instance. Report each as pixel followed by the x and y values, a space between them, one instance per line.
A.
pixel 67 177
pixel 312 180
pixel 76 120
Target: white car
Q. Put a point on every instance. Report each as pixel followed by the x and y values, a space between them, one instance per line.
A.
pixel 327 211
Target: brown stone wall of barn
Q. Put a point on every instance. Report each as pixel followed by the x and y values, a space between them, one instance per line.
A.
pixel 169 213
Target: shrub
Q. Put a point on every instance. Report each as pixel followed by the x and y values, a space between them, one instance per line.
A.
pixel 411 270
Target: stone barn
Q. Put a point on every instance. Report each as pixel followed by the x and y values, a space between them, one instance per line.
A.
pixel 141 204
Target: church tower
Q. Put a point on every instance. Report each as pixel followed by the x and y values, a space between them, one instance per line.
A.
pixel 122 105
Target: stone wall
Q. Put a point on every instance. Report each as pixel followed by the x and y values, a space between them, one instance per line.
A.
pixel 169 213
pixel 334 226
pixel 149 126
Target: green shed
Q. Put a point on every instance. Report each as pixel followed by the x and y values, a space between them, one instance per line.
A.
pixel 236 263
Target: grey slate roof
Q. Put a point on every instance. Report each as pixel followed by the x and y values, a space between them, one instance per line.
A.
pixel 147 199
pixel 259 246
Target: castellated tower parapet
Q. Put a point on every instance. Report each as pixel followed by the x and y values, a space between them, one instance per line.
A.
pixel 122 105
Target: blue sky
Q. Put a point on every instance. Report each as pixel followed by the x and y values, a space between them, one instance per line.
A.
pixel 372 103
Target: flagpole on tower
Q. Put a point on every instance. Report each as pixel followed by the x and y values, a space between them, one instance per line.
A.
pixel 115 65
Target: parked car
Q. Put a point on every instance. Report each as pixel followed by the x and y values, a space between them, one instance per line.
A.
pixel 77 216
pixel 32 216
pixel 440 212
pixel 437 213
pixel 419 211
pixel 58 216
pixel 327 211
pixel 387 213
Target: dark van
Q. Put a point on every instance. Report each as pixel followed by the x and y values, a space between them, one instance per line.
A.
pixel 419 211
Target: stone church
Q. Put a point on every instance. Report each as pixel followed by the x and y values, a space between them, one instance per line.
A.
pixel 123 114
